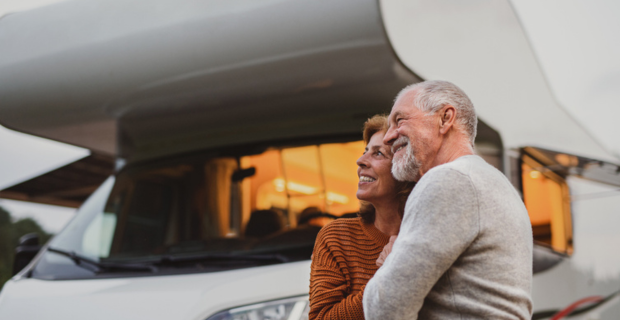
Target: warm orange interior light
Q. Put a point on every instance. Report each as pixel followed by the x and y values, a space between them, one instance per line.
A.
pixel 546 199
pixel 539 194
pixel 323 176
pixel 336 197
pixel 281 186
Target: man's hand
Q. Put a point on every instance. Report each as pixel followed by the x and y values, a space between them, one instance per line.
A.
pixel 386 251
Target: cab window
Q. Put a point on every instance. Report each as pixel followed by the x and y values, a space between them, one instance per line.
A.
pixel 221 210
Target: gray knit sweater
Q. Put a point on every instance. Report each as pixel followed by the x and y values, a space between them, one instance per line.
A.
pixel 464 250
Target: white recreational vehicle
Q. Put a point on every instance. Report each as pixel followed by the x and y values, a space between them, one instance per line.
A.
pixel 226 119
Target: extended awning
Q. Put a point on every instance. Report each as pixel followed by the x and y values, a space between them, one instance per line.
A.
pixel 66 186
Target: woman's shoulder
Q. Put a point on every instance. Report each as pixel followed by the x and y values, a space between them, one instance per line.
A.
pixel 343 224
pixel 339 228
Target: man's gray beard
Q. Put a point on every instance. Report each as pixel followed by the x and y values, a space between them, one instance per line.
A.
pixel 407 167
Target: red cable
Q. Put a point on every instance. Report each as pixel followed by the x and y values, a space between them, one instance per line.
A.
pixel 575 305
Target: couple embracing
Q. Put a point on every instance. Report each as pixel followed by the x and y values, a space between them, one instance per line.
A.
pixel 441 234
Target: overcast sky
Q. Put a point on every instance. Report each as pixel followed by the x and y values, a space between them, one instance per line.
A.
pixel 577 44
pixel 24 157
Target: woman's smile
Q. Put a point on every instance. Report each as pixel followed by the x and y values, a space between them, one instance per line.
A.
pixel 374 171
pixel 366 179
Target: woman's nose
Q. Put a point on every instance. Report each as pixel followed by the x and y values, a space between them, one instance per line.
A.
pixel 362 161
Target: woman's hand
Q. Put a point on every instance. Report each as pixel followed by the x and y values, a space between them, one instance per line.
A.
pixel 386 251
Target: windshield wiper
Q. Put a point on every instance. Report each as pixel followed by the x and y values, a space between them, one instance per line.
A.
pixel 99 267
pixel 171 259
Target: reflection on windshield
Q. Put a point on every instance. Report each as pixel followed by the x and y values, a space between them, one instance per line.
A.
pixel 228 211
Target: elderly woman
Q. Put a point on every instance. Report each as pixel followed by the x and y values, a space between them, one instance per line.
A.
pixel 346 250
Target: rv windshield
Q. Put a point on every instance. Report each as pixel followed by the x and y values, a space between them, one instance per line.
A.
pixel 207 213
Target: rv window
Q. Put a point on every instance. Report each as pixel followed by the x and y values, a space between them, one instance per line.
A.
pixel 547 198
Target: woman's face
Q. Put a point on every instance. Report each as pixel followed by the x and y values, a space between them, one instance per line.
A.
pixel 375 178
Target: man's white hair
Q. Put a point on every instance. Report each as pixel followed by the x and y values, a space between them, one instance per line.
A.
pixel 431 96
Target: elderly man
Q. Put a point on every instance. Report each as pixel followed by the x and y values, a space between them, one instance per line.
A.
pixel 464 250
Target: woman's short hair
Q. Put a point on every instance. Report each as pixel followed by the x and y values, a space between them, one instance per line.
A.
pixel 376 124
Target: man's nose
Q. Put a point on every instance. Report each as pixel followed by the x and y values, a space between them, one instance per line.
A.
pixel 390 136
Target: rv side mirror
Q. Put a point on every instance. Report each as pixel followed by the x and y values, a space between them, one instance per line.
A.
pixel 241 174
pixel 26 250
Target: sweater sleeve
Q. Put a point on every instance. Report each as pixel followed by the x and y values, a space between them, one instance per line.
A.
pixel 329 289
pixel 441 220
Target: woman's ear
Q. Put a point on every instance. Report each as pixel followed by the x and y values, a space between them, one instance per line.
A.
pixel 448 116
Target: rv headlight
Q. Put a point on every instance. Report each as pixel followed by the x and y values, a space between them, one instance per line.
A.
pixel 286 309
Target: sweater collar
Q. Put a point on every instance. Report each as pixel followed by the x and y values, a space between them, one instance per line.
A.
pixel 374 233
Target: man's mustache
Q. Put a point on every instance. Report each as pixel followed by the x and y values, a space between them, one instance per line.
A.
pixel 402 140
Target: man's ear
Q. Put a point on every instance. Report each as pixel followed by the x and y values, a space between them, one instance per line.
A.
pixel 448 116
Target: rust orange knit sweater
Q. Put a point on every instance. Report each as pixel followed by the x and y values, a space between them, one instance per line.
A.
pixel 343 261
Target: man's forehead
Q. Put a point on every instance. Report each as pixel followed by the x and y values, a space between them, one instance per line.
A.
pixel 401 110
pixel 407 97
pixel 403 103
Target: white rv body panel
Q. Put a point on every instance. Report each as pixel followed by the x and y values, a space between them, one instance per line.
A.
pixel 185 297
pixel 480 46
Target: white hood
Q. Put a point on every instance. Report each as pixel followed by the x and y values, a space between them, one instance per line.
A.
pixel 193 296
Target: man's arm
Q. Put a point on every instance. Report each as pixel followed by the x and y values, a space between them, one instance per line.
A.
pixel 441 220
